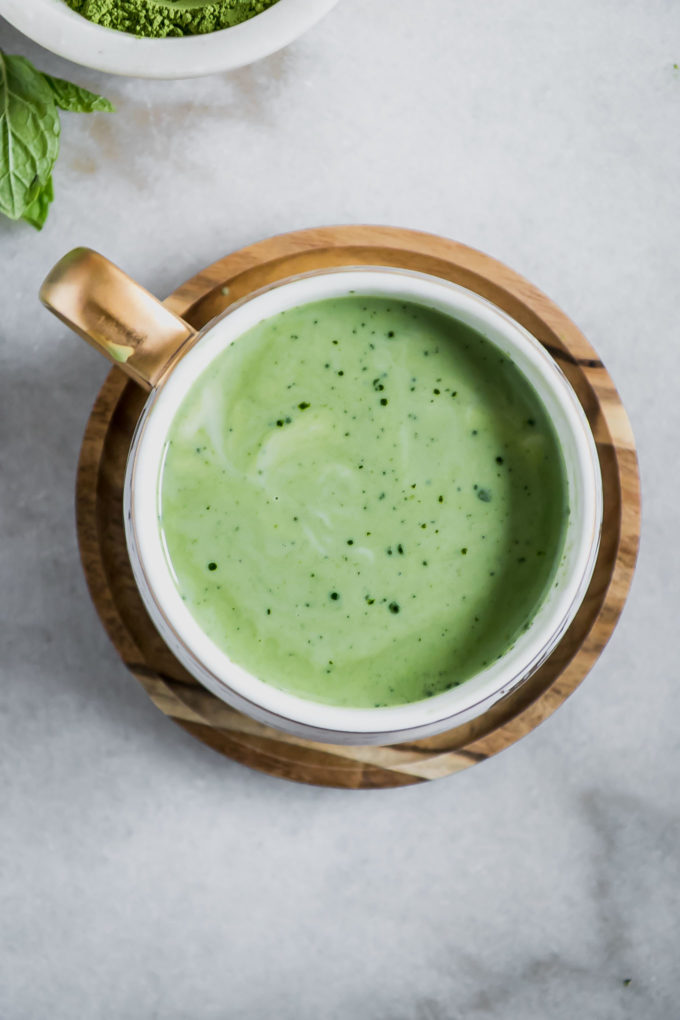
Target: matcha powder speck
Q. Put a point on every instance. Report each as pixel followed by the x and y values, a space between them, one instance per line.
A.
pixel 160 18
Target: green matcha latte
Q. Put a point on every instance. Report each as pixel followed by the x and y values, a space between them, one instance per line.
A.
pixel 362 502
pixel 161 18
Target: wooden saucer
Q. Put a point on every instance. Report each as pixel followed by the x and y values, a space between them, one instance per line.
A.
pixel 107 568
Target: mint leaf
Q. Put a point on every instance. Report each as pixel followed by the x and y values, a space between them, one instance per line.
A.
pixel 37 211
pixel 76 99
pixel 29 134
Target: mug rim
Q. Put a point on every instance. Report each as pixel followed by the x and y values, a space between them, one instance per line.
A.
pixel 289 712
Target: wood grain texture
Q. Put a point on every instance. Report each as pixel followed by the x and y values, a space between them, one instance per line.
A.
pixel 109 575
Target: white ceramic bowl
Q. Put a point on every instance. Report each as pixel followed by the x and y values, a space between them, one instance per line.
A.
pixel 310 719
pixel 56 27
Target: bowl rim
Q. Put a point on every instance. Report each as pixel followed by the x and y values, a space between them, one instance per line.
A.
pixel 290 712
pixel 52 24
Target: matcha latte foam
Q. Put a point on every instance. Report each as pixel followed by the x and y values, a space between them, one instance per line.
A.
pixel 161 18
pixel 363 501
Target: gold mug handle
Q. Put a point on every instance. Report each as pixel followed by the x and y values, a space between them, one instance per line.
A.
pixel 118 317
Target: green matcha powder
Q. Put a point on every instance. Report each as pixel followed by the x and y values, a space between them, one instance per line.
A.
pixel 161 18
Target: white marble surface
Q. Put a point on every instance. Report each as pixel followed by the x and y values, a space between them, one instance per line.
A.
pixel 143 876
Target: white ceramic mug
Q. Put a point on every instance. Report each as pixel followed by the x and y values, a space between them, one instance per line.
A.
pixel 162 352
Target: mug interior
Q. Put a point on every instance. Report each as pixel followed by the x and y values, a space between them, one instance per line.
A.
pixel 234 684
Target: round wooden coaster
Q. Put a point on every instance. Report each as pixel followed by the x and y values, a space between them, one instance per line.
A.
pixel 109 576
